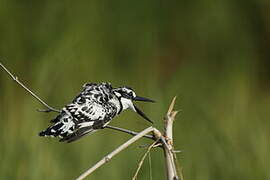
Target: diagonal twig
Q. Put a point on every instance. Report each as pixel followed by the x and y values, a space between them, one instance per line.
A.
pixel 108 157
pixel 15 78
pixel 133 133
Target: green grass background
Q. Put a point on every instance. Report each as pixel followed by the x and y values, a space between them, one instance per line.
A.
pixel 214 55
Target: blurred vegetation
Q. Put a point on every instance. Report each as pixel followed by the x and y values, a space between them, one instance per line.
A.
pixel 213 54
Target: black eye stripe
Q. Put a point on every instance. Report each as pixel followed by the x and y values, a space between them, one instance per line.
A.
pixel 127 95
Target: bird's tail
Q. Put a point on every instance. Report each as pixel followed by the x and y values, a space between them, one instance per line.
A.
pixel 54 130
pixel 62 126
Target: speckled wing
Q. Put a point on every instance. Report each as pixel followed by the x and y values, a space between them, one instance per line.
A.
pixel 89 111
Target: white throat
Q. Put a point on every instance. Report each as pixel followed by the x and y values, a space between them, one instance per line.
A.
pixel 127 104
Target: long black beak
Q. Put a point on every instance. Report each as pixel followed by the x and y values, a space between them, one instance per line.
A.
pixel 142 114
pixel 138 98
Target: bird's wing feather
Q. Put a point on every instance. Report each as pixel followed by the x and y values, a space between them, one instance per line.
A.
pixel 77 134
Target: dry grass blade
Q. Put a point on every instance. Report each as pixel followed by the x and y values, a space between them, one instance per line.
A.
pixel 142 160
pixel 171 106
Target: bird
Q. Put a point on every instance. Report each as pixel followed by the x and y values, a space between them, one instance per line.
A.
pixel 95 106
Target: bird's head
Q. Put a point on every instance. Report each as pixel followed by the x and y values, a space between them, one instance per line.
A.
pixel 126 95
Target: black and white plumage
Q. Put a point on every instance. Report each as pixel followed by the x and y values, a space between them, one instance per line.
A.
pixel 92 109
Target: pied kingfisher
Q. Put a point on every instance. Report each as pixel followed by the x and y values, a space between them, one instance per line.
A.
pixel 92 109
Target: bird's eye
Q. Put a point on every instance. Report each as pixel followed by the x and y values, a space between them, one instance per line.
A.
pixel 130 94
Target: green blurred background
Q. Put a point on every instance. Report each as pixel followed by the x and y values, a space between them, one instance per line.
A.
pixel 214 55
